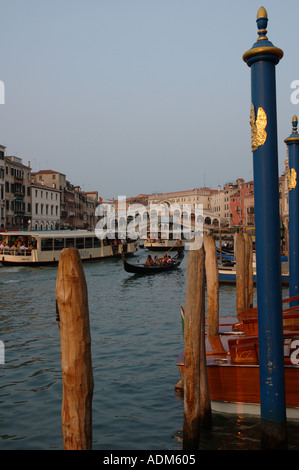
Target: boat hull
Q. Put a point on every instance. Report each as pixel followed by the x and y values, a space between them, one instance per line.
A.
pixel 55 261
pixel 236 388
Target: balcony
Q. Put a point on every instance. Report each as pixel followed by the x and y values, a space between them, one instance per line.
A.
pixel 19 193
pixel 20 179
pixel 19 210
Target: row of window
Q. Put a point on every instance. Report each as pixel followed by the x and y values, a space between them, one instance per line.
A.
pixel 49 244
pixel 46 194
pixel 41 207
pixel 17 205
pixel 16 187
pixel 17 173
pixel 13 187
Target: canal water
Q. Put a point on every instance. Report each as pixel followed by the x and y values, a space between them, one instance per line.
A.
pixel 136 337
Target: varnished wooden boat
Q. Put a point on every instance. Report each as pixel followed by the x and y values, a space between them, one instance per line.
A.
pixel 232 360
pixel 142 269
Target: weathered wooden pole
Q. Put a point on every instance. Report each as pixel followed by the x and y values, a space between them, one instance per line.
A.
pixel 194 312
pixel 286 237
pixel 241 280
pixel 293 150
pixel 262 59
pixel 212 283
pixel 220 245
pixel 75 343
pixel 248 270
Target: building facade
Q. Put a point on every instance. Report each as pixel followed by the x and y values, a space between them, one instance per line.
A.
pixel 235 203
pixel 2 187
pixel 45 204
pixel 77 208
pixel 17 193
pixel 192 198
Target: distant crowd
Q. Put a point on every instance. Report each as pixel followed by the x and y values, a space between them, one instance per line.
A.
pixel 18 246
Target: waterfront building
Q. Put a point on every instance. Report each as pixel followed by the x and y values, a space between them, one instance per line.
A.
pixel 2 186
pixel 50 178
pixel 284 194
pixel 77 208
pixel 198 198
pixel 45 204
pixel 92 201
pixel 248 202
pixel 192 198
pixel 68 210
pixel 55 180
pixel 217 203
pixel 242 205
pixel 230 191
pixel 235 210
pixel 234 203
pixel 17 193
pixel 85 207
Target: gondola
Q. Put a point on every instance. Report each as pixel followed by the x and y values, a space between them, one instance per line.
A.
pixel 142 269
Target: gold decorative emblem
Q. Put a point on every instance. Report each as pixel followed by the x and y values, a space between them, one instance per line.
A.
pixel 258 126
pixel 292 179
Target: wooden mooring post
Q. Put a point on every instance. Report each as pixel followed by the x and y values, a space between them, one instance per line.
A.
pixel 244 272
pixel 248 270
pixel 240 274
pixel 212 283
pixel 75 341
pixel 196 391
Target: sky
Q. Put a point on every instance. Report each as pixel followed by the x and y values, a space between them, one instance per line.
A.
pixel 139 96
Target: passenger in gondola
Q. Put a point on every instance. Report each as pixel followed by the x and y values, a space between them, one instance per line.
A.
pixel 163 260
pixel 168 260
pixel 156 261
pixel 149 261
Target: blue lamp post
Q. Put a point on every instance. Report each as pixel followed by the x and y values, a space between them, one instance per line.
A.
pixel 262 59
pixel 293 150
